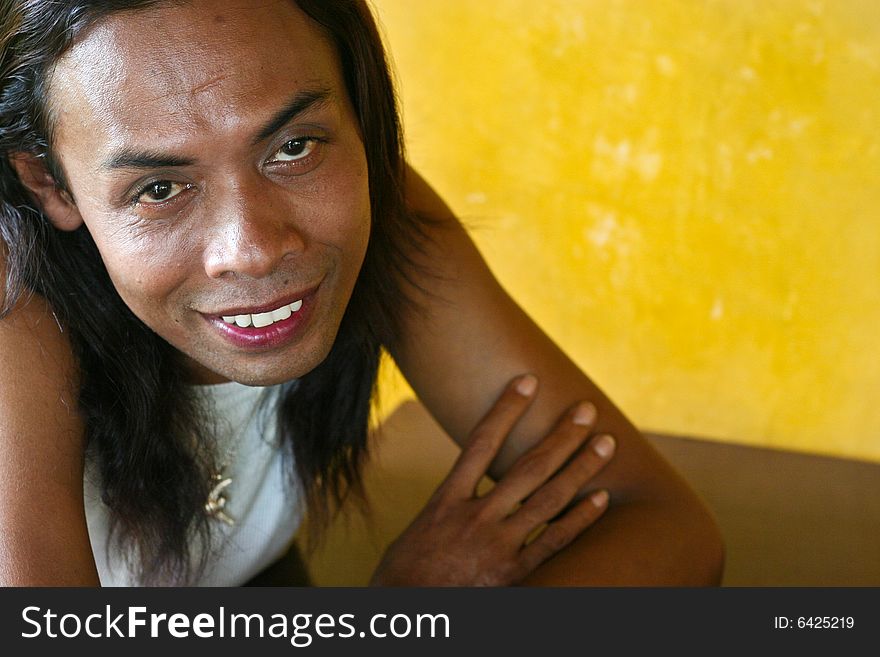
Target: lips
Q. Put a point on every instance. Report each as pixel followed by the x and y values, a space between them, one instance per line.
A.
pixel 267 309
pixel 261 320
pixel 268 325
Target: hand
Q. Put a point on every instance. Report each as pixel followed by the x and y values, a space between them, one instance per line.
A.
pixel 460 539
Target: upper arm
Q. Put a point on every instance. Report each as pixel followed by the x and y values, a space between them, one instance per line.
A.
pixel 43 534
pixel 469 338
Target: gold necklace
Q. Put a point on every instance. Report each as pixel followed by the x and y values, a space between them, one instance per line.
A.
pixel 218 497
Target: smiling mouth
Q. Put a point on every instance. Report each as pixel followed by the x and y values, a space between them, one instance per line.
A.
pixel 262 320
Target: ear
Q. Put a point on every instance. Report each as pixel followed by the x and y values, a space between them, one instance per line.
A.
pixel 56 204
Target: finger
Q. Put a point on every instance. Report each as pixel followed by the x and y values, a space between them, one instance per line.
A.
pixel 558 493
pixel 563 531
pixel 489 434
pixel 538 464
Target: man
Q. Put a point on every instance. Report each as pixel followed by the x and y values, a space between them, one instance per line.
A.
pixel 219 158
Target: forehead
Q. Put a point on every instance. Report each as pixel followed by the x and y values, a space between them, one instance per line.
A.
pixel 176 69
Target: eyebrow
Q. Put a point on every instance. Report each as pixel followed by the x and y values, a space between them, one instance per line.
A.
pixel 305 99
pixel 129 158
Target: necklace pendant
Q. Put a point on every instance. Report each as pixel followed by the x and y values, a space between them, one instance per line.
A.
pixel 217 500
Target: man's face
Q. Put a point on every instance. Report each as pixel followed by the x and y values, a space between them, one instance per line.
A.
pixel 213 154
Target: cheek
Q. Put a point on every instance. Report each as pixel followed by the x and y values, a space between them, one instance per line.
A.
pixel 146 268
pixel 357 236
pixel 343 221
pixel 357 230
pixel 148 289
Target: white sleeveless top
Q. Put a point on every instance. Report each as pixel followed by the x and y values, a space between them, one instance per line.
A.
pixel 265 506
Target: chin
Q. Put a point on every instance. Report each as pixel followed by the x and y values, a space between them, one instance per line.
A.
pixel 264 379
pixel 266 371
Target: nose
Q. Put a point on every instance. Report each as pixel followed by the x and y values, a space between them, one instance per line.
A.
pixel 252 234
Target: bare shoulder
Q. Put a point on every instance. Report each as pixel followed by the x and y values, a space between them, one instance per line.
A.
pixel 43 536
pixel 35 345
pixel 36 364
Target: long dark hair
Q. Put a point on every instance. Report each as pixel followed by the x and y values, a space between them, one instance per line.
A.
pixel 140 415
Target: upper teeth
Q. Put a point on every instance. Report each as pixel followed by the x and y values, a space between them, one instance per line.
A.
pixel 260 320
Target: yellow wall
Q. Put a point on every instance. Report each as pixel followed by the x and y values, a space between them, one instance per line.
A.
pixel 684 193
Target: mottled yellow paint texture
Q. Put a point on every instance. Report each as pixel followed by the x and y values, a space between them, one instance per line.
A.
pixel 683 193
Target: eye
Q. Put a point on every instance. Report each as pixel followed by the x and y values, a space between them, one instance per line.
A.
pixel 296 149
pixel 160 192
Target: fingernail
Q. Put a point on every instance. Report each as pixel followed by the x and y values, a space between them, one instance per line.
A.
pixel 527 385
pixel 604 445
pixel 599 498
pixel 584 414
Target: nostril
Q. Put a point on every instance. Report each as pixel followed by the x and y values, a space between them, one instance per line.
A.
pixel 252 236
